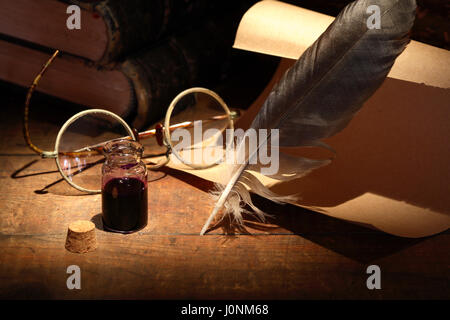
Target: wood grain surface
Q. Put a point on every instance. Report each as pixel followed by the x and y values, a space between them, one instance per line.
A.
pixel 299 255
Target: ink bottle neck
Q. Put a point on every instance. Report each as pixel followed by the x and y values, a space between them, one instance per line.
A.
pixel 123 152
pixel 123 159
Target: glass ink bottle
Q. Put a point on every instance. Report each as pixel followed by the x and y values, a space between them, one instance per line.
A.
pixel 124 187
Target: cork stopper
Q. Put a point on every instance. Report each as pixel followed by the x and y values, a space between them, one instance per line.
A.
pixel 81 237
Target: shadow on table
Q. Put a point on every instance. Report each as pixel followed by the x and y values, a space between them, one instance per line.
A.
pixel 98 221
pixel 58 188
pixel 357 242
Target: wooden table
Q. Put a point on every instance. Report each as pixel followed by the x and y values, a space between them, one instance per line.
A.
pixel 302 255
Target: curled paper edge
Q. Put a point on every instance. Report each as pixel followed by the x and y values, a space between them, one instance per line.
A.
pixel 371 210
pixel 284 30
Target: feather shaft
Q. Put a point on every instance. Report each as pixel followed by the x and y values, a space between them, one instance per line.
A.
pixel 223 197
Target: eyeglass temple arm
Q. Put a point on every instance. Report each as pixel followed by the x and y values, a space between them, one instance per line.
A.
pixel 150 133
pixel 186 124
pixel 26 132
pixel 97 148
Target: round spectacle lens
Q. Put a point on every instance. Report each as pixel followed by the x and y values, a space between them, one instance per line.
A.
pixel 196 127
pixel 79 147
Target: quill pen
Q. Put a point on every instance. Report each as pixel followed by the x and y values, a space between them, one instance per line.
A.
pixel 319 95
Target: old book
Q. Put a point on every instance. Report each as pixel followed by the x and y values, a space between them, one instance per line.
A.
pixel 110 29
pixel 68 78
pixel 139 88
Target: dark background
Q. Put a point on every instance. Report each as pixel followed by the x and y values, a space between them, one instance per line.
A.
pixel 432 25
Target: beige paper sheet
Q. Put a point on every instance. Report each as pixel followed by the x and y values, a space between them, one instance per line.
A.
pixel 284 30
pixel 392 166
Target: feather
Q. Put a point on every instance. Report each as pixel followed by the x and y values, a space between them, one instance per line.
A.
pixel 319 95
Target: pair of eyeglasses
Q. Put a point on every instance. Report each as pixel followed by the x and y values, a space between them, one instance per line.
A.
pixel 193 132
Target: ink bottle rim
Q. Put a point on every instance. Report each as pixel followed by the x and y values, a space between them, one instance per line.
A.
pixel 123 150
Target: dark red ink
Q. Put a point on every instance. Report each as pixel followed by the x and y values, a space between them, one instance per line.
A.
pixel 124 205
